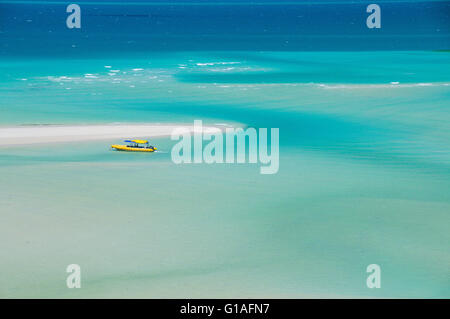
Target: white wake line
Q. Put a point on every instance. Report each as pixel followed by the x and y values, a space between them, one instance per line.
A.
pixel 21 135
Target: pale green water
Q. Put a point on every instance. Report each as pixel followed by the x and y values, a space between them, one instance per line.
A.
pixel 364 178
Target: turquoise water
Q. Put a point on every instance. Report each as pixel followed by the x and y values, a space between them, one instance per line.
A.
pixel 364 177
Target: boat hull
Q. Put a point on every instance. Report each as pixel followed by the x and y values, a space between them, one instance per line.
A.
pixel 132 149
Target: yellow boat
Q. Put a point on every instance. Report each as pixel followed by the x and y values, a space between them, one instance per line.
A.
pixel 135 146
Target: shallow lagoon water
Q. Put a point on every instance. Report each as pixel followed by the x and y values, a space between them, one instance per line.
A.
pixel 363 177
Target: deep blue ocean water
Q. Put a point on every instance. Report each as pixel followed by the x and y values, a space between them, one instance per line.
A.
pixel 110 27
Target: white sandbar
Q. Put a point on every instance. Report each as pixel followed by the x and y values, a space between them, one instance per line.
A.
pixel 20 135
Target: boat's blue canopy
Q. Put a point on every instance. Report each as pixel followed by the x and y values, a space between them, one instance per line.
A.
pixel 137 141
